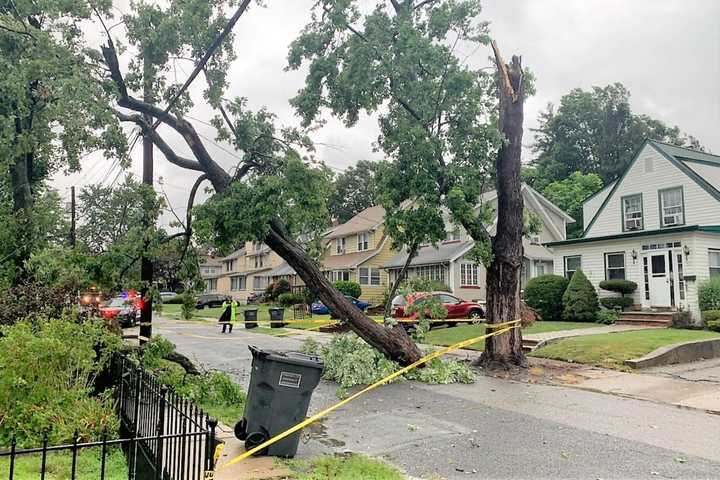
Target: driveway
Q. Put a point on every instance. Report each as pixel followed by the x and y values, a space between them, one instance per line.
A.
pixel 493 428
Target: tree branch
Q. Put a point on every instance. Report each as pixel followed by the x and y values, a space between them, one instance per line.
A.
pixel 412 252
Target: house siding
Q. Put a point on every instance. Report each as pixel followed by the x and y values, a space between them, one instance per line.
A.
pixel 591 206
pixel 700 207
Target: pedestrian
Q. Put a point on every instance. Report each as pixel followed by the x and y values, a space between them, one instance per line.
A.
pixel 225 316
pixel 233 313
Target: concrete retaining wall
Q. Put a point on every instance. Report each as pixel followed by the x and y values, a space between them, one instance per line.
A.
pixel 678 353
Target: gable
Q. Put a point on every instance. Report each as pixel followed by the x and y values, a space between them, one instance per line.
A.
pixel 650 171
pixel 593 204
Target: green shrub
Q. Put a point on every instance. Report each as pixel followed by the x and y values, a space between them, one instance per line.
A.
pixel 308 296
pixel 709 294
pixel 417 284
pixel 349 288
pixel 580 300
pixel 350 361
pixel 608 317
pixel 268 294
pixel 187 305
pixel 176 300
pixel 289 299
pixel 280 287
pixel 622 287
pixel 47 375
pixel 544 294
pixel 616 302
pixel 712 319
pixel 30 300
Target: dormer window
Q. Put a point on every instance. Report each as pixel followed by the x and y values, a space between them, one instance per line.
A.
pixel 672 208
pixel 363 241
pixel 340 246
pixel 453 235
pixel 632 207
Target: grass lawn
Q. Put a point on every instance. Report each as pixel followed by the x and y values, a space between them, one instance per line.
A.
pixel 59 465
pixel 610 350
pixel 449 336
pixel 351 467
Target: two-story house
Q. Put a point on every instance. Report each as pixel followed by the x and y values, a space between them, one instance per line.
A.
pixel 448 263
pixel 657 225
pixel 210 270
pixel 356 251
pixel 247 270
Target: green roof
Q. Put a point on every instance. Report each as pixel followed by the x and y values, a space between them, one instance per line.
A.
pixel 642 233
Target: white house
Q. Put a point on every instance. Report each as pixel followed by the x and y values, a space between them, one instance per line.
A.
pixel 447 262
pixel 658 225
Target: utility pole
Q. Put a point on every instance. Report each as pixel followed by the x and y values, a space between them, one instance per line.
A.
pixel 72 216
pixel 146 267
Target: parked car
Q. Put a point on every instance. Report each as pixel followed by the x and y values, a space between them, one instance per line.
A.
pixel 457 308
pixel 125 310
pixel 210 300
pixel 254 298
pixel 167 295
pixel 319 308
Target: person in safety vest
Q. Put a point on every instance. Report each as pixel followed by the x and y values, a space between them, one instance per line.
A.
pixel 228 315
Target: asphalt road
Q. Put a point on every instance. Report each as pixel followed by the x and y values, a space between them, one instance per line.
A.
pixel 491 429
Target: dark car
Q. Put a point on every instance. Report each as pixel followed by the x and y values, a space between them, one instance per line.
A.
pixel 210 301
pixel 125 310
pixel 319 308
pixel 255 297
pixel 458 309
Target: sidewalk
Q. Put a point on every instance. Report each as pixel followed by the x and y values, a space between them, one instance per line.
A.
pixel 542 338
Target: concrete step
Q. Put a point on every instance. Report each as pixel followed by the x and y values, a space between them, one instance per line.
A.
pixel 528 344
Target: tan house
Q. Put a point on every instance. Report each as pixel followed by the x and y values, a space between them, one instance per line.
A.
pixel 246 270
pixel 210 270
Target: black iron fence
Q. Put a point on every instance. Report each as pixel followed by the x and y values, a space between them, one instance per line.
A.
pixel 162 436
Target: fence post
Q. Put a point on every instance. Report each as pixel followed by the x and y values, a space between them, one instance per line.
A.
pixel 121 403
pixel 74 455
pixel 159 463
pixel 210 444
pixel 136 414
pixel 44 455
pixel 103 454
pixel 13 442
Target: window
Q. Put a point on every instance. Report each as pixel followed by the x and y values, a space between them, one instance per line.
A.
pixel 469 275
pixel 258 261
pixel 448 299
pixel 363 241
pixel 453 235
pixel 339 276
pixel 615 266
pixel 646 276
pixel 230 265
pixel 237 283
pixel 211 285
pixel 257 246
pixel 369 276
pixel 681 275
pixel 714 263
pixel 534 239
pixel 632 213
pixel 539 269
pixel 672 210
pixel 259 282
pixel 572 263
pixel 340 245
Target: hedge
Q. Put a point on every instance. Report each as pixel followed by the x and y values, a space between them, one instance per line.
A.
pixel 580 301
pixel 288 299
pixel 623 287
pixel 544 294
pixel 712 319
pixel 709 294
pixel 349 288
pixel 616 302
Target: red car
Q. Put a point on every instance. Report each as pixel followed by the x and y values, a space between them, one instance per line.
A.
pixel 126 310
pixel 457 308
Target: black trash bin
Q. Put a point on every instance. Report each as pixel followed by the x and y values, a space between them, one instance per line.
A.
pixel 250 318
pixel 281 384
pixel 277 315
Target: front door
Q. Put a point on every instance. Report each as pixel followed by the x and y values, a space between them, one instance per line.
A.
pixel 659 280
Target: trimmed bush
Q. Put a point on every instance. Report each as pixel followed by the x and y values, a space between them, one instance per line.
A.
pixel 280 287
pixel 613 303
pixel 176 300
pixel 349 288
pixel 608 317
pixel 580 300
pixel 417 284
pixel 623 287
pixel 712 319
pixel 288 299
pixel 709 294
pixel 544 294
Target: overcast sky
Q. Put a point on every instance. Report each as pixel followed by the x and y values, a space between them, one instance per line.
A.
pixel 666 52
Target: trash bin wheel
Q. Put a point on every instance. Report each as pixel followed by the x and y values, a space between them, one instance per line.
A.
pixel 241 429
pixel 254 439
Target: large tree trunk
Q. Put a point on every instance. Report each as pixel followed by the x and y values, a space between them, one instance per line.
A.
pixel 503 274
pixel 392 342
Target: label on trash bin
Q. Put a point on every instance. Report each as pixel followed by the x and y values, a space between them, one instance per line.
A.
pixel 290 379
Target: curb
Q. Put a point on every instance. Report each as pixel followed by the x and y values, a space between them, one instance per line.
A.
pixel 685 352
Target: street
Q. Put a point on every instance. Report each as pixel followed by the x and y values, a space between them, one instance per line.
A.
pixel 493 428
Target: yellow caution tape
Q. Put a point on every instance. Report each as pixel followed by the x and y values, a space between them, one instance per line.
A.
pixel 397 320
pixel 295 332
pixel 437 353
pixel 218 452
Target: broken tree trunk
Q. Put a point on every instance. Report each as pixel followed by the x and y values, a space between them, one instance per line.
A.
pixel 393 342
pixel 503 274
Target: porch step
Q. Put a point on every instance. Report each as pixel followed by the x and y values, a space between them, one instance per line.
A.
pixel 649 319
pixel 528 344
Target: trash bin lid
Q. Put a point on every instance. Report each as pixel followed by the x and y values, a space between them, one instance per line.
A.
pixel 295 358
